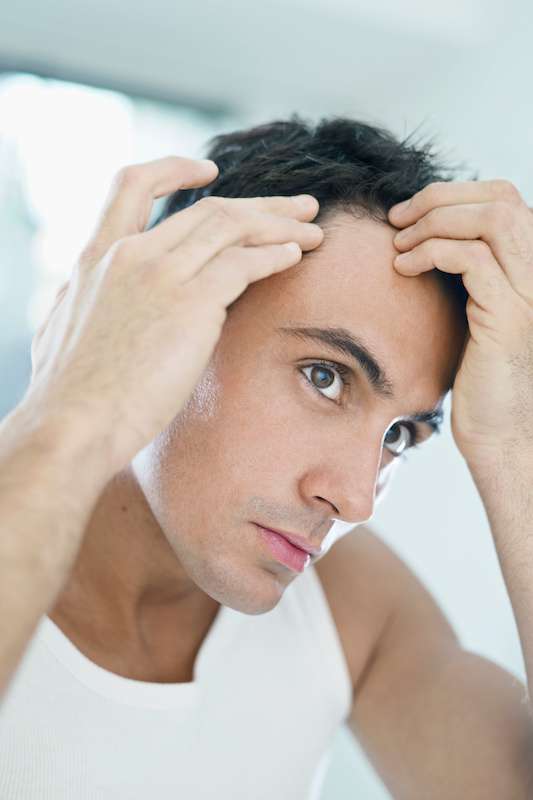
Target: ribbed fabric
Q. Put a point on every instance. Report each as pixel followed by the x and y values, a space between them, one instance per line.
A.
pixel 256 723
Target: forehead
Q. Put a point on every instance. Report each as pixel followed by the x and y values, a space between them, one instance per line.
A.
pixel 349 282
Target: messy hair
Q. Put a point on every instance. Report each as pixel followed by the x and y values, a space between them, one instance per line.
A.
pixel 346 164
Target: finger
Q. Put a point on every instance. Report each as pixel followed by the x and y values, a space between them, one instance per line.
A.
pixel 57 300
pixel 451 193
pixel 483 277
pixel 508 231
pixel 169 233
pixel 129 203
pixel 213 236
pixel 227 276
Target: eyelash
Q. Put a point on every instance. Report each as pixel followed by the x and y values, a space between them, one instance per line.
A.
pixel 415 437
pixel 343 372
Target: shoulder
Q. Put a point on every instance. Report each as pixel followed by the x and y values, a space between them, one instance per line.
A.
pixel 373 594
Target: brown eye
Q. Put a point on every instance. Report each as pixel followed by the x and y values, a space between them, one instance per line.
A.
pixel 321 377
pixel 398 438
pixel 326 380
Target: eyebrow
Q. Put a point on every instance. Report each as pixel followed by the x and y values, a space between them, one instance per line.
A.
pixel 346 343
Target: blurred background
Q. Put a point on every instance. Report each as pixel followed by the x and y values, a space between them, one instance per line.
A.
pixel 86 88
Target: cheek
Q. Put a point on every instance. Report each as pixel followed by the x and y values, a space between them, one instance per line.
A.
pixel 260 417
pixel 205 399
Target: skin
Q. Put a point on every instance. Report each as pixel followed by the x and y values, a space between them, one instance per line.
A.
pixel 171 536
pixel 109 375
pixel 148 582
pixel 146 588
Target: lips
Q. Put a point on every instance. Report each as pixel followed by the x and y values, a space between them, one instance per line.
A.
pixel 294 539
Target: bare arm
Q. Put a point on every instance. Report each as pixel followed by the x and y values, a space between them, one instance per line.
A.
pixel 484 232
pixel 118 357
pixel 49 482
pixel 437 721
pixel 505 487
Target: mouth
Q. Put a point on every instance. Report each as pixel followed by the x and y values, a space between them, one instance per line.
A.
pixel 289 549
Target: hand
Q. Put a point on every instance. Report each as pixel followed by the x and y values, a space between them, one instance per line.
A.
pixel 133 329
pixel 483 231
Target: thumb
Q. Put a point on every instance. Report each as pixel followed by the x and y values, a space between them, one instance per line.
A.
pixel 129 202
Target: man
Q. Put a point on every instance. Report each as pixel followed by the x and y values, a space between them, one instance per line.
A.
pixel 177 437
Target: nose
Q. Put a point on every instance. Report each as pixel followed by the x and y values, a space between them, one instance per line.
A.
pixel 345 479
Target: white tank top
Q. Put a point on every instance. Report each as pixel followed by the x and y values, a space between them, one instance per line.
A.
pixel 256 723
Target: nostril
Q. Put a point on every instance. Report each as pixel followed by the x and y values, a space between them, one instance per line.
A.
pixel 329 503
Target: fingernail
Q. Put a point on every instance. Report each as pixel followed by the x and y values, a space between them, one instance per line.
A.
pixel 315 230
pixel 294 248
pixel 399 207
pixel 403 258
pixel 402 236
pixel 305 200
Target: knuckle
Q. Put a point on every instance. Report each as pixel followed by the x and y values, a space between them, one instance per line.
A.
pixel 227 260
pixel 429 249
pixel 480 251
pixel 427 223
pixel 90 254
pixel 175 161
pixel 274 204
pixel 431 189
pixel 211 203
pixel 236 255
pixel 432 216
pixel 207 201
pixel 258 254
pixel 499 214
pixel 219 209
pixel 122 250
pixel 430 193
pixel 506 190
pixel 127 176
pixel 233 228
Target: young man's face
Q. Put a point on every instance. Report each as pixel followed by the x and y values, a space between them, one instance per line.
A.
pixel 273 437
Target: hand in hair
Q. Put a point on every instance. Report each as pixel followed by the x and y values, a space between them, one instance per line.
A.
pixel 483 231
pixel 131 332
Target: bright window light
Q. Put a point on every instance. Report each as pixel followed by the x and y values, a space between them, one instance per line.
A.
pixel 66 141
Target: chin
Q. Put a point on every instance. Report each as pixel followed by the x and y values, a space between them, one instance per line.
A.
pixel 248 588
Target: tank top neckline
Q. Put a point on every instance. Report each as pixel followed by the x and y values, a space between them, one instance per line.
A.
pixel 122 689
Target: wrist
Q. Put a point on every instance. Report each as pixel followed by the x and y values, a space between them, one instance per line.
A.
pixel 507 459
pixel 503 477
pixel 61 449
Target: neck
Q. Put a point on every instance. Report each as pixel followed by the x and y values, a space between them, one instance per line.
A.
pixel 127 577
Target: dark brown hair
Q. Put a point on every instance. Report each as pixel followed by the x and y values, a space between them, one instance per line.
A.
pixel 344 163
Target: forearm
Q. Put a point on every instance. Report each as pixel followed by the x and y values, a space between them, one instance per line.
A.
pixel 505 484
pixel 48 487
